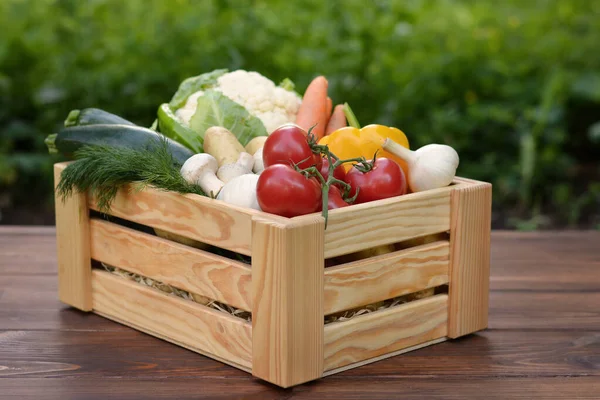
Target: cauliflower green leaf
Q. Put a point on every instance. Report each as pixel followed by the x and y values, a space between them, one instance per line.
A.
pixel 194 84
pixel 216 109
pixel 287 84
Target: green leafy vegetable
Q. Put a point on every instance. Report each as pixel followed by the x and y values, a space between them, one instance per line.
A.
pixel 194 84
pixel 287 84
pixel 170 126
pixel 103 170
pixel 216 109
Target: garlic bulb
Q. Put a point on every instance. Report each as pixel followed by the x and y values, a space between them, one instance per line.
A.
pixel 241 191
pixel 430 167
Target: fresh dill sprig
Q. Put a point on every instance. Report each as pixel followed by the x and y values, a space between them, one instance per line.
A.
pixel 103 170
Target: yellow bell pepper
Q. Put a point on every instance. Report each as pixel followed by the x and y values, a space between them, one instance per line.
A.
pixel 350 142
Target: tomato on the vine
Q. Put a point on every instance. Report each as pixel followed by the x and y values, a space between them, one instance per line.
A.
pixel 335 199
pixel 386 179
pixel 288 145
pixel 284 191
pixel 338 173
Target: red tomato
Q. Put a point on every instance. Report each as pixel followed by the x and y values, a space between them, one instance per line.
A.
pixel 386 179
pixel 288 144
pixel 338 173
pixel 335 199
pixel 284 191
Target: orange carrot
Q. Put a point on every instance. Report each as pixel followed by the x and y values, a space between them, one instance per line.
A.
pixel 314 107
pixel 337 120
pixel 329 107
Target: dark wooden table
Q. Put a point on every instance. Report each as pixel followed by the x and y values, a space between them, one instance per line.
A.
pixel 543 339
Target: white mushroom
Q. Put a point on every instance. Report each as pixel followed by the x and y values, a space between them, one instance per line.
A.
pixel 200 170
pixel 259 165
pixel 241 191
pixel 243 166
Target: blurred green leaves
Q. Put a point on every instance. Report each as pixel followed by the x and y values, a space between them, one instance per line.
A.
pixel 513 85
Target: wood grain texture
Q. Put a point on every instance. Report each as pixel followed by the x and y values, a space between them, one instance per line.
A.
pixel 382 357
pixel 521 311
pixel 541 261
pixel 16 257
pixel 287 312
pixel 198 328
pixel 545 261
pixel 181 266
pixel 387 221
pixel 183 388
pixel 383 277
pixel 193 216
pixel 129 353
pixel 543 339
pixel 73 248
pixel 381 332
pixel 469 259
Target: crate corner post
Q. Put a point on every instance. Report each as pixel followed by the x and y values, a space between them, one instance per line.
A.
pixel 470 229
pixel 73 247
pixel 287 307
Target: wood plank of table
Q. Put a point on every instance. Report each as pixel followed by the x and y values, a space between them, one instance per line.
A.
pixel 554 261
pixel 559 388
pixel 132 354
pixel 28 251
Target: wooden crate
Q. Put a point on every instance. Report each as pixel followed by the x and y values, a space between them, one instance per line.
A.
pixel 287 288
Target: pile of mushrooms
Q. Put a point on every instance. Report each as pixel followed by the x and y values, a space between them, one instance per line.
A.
pixel 225 170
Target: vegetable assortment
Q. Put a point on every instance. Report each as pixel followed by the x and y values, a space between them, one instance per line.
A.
pixel 240 138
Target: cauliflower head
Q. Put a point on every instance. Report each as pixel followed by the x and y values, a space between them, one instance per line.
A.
pixel 272 104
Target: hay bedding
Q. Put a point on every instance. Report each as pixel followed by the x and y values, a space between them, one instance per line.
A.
pixel 236 312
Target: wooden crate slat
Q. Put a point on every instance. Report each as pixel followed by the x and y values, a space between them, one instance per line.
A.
pixel 383 277
pixel 73 248
pixel 183 267
pixel 469 258
pixel 193 216
pixel 367 225
pixel 374 334
pixel 180 321
pixel 384 356
pixel 287 312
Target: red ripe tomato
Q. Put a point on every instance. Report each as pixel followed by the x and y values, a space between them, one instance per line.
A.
pixel 338 173
pixel 335 199
pixel 284 191
pixel 386 179
pixel 288 144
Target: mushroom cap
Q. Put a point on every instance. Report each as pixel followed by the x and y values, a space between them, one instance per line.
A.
pixel 197 165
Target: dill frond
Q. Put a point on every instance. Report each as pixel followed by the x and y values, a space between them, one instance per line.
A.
pixel 103 170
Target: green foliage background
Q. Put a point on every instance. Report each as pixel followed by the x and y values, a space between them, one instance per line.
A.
pixel 513 85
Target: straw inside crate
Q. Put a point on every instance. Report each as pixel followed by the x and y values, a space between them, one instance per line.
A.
pixel 239 313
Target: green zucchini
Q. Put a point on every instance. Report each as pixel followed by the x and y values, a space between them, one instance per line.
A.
pixel 94 116
pixel 70 139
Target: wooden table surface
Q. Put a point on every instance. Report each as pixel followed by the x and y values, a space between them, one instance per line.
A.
pixel 543 339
